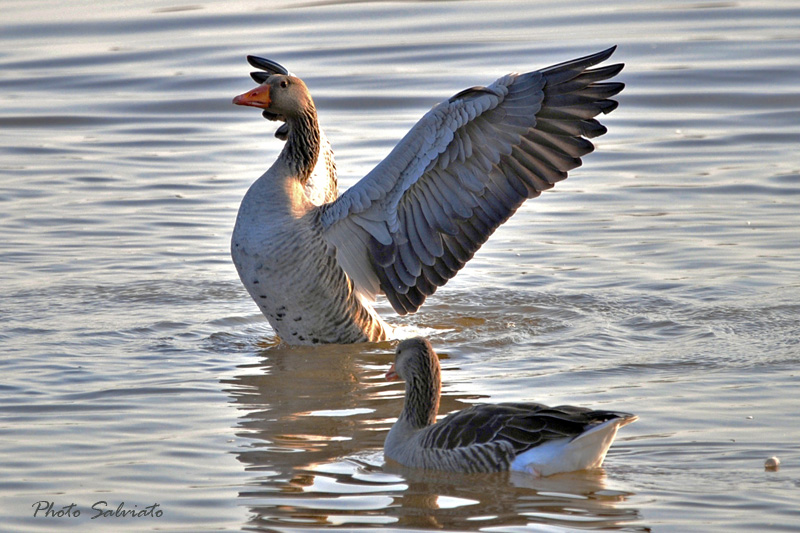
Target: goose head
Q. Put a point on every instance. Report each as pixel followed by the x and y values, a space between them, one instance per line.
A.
pixel 418 365
pixel 285 97
pixel 414 358
pixel 281 94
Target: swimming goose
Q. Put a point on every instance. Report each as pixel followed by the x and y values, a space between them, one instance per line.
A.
pixel 524 437
pixel 409 225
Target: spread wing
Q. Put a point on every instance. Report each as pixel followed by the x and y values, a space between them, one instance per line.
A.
pixel 413 222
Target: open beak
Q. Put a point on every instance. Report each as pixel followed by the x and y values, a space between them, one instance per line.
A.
pixel 258 97
pixel 391 375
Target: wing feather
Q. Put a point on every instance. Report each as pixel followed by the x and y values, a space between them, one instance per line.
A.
pixel 523 425
pixel 408 268
pixel 433 208
pixel 417 238
pixel 414 221
pixel 431 239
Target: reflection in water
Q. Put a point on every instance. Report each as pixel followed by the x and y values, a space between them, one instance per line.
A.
pixel 316 419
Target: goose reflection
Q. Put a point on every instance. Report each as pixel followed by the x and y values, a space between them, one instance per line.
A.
pixel 575 500
pixel 316 419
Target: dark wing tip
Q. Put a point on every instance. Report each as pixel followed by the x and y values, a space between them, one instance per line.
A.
pixel 260 76
pixel 607 106
pixel 598 57
pixel 613 70
pixel 581 64
pixel 267 65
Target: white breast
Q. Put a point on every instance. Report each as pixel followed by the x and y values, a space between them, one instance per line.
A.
pixel 291 274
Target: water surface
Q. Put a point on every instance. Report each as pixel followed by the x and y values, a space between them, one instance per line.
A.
pixel 661 278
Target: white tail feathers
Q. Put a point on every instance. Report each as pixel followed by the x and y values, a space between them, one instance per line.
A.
pixel 587 450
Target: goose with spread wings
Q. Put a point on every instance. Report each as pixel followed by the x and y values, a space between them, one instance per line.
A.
pixel 314 262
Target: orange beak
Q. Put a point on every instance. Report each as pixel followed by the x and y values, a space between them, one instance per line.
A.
pixel 391 375
pixel 258 97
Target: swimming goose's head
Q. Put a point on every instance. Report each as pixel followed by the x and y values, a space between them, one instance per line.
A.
pixel 414 358
pixel 418 365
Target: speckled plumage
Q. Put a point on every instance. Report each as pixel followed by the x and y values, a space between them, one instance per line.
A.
pixel 527 437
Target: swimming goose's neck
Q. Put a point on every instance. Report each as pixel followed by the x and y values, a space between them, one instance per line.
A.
pixel 422 398
pixel 302 147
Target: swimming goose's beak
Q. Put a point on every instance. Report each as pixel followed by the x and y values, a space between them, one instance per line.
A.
pixel 258 97
pixel 391 375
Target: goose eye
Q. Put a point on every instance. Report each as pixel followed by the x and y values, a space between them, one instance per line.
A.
pixel 284 84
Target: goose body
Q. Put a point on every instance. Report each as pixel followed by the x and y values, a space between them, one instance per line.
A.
pixel 314 261
pixel 289 271
pixel 524 437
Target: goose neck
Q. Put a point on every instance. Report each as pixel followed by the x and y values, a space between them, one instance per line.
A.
pixel 303 144
pixel 422 399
